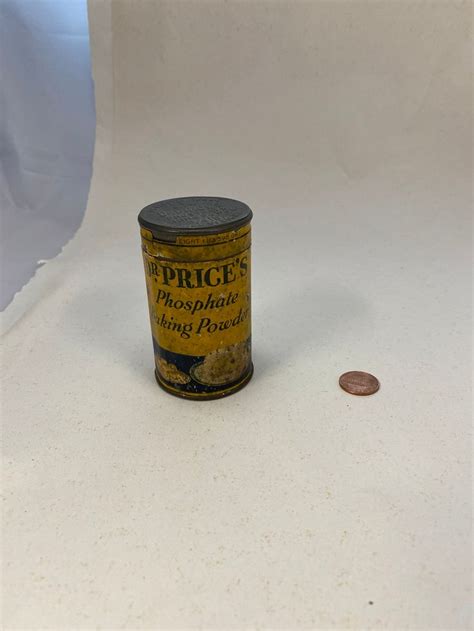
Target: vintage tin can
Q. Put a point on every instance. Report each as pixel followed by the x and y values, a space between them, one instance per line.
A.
pixel 196 252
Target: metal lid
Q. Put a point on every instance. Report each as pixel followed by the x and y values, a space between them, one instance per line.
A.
pixel 194 215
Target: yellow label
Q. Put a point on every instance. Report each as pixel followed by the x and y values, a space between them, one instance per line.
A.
pixel 199 306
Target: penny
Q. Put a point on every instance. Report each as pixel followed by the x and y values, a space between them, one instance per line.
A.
pixel 359 383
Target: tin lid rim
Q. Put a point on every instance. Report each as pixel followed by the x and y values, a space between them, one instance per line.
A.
pixel 172 231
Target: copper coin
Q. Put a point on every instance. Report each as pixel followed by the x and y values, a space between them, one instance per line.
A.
pixel 359 383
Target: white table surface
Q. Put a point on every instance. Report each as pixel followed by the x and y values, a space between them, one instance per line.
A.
pixel 290 504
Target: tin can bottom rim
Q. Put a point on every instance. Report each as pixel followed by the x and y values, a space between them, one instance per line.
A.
pixel 205 397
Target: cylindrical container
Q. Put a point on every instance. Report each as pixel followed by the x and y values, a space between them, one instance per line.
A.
pixel 196 252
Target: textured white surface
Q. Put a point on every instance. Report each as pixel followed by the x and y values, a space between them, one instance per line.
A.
pixel 291 504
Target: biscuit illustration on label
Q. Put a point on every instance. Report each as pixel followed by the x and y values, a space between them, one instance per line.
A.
pixel 223 365
pixel 171 373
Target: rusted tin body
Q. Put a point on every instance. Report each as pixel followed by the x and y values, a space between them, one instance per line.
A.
pixel 196 252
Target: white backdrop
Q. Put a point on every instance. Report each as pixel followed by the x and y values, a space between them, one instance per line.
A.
pixel 346 127
pixel 47 124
